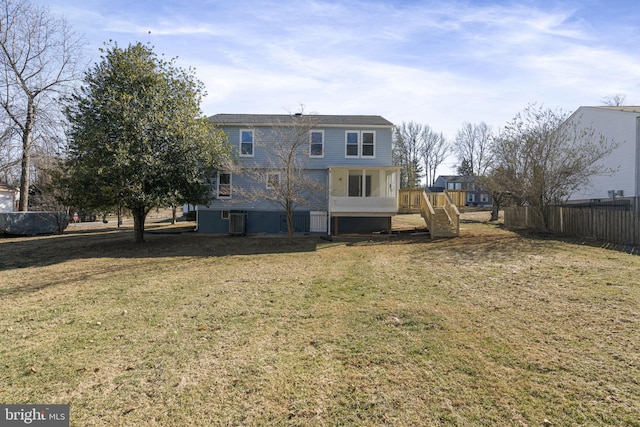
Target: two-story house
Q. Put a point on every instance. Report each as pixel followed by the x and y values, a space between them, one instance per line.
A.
pixel 349 155
pixel 475 194
pixel 619 125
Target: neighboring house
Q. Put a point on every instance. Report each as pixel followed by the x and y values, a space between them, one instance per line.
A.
pixel 7 199
pixel 475 194
pixel 620 125
pixel 350 155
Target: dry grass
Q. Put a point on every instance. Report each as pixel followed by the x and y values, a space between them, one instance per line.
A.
pixel 491 328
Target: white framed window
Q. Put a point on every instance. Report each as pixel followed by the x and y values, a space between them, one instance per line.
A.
pixel 224 215
pixel 360 144
pixel 471 197
pixel 316 143
pixel 223 185
pixel 273 180
pixel 484 197
pixel 246 143
pixel 352 144
pixel 368 144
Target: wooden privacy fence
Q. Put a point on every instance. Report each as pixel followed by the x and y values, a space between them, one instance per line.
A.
pixel 613 226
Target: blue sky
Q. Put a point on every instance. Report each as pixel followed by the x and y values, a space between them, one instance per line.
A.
pixel 440 63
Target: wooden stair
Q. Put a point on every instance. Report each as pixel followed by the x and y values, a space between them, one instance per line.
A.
pixel 440 214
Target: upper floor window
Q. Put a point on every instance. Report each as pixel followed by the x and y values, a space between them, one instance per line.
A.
pixel 316 143
pixel 368 144
pixel 360 144
pixel 223 186
pixel 246 143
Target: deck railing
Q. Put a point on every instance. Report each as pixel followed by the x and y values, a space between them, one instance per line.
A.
pixel 409 199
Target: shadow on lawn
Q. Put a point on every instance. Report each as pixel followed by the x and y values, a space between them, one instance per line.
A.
pixel 160 241
pixel 22 252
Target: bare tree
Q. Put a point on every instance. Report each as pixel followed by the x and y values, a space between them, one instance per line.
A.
pixel 434 153
pixel 473 147
pixel 419 151
pixel 285 182
pixel 616 100
pixel 408 146
pixel 542 157
pixel 39 61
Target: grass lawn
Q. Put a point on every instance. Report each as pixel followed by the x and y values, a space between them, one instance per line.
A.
pixel 491 328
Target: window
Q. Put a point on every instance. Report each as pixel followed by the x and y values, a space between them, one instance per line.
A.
pixel 316 143
pixel 356 187
pixel 224 185
pixel 368 139
pixel 360 144
pixel 246 143
pixel 224 214
pixel 353 144
pixel 273 180
pixel 484 198
pixel 471 197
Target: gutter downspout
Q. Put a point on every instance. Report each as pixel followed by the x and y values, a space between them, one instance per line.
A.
pixel 329 203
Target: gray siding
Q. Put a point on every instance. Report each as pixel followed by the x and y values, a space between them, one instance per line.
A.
pixel 266 217
pixel 334 147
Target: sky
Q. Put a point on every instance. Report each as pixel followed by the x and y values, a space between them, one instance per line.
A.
pixel 440 63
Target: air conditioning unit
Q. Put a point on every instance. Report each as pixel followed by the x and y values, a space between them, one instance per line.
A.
pixel 237 223
pixel 620 193
pixel 611 193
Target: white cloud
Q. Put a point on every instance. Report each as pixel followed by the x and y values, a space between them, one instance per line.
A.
pixel 440 63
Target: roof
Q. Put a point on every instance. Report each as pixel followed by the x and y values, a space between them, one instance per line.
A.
pixel 625 108
pixel 280 119
pixel 457 178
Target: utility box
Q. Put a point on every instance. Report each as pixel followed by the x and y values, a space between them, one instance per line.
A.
pixel 237 223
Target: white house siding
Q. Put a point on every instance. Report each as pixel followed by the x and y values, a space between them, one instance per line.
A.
pixel 6 201
pixel 621 127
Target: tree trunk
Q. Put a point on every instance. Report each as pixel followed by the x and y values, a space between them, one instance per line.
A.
pixel 289 213
pixel 494 212
pixel 174 214
pixel 25 183
pixel 139 216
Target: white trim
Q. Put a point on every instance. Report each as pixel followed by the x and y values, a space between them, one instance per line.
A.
pixel 311 132
pixel 372 156
pixel 346 145
pixel 360 144
pixel 218 185
pixel 274 174
pixel 253 143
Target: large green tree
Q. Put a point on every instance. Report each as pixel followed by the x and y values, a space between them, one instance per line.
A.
pixel 138 138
